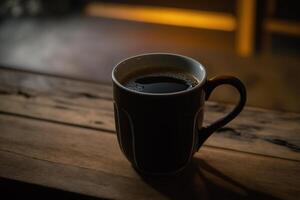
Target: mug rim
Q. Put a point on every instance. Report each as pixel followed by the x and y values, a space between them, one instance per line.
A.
pixel 201 82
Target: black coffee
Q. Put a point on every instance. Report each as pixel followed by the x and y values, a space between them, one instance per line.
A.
pixel 166 82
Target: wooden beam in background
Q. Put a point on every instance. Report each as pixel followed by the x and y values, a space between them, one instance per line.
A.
pixel 164 15
pixel 282 26
pixel 245 38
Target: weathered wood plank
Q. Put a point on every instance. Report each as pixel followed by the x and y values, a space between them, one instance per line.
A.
pixel 71 178
pixel 90 162
pixel 56 99
pixel 259 131
pixel 48 108
pixel 41 84
pixel 89 105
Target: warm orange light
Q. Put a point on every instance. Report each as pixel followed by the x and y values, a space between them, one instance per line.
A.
pixel 162 15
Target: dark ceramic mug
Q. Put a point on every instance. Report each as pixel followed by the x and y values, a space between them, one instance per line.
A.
pixel 160 132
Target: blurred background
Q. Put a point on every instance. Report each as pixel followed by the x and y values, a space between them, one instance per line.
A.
pixel 257 41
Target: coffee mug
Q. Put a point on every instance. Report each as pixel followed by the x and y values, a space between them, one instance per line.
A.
pixel 160 132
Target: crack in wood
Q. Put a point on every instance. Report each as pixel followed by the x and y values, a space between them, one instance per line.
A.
pixel 2 92
pixel 85 95
pixel 59 122
pixel 235 134
pixel 98 122
pixel 62 107
pixel 284 143
pixel 249 128
pixel 27 95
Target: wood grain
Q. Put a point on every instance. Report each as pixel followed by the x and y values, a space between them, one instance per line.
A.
pixel 89 162
pixel 89 105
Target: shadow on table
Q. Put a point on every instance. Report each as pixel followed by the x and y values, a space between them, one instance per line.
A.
pixel 11 189
pixel 192 183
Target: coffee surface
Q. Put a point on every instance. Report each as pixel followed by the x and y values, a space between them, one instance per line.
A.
pixel 161 82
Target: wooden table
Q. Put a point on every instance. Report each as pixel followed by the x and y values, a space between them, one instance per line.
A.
pixel 59 133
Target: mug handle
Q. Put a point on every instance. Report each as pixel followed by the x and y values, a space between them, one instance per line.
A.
pixel 210 85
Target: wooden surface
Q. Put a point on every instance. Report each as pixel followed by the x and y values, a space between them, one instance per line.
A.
pixel 59 133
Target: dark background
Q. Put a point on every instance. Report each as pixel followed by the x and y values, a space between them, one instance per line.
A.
pixel 61 38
